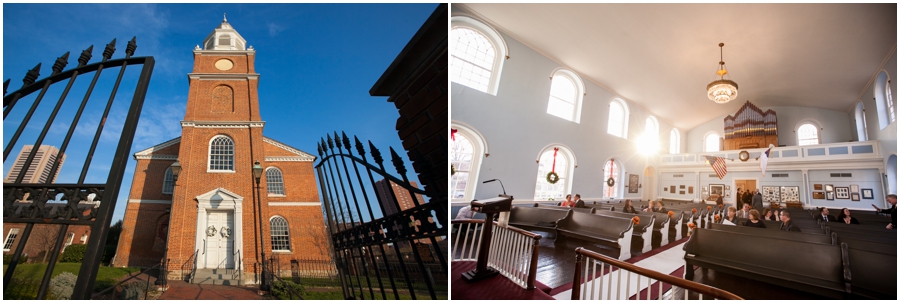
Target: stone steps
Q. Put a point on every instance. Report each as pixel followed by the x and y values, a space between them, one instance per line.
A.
pixel 215 277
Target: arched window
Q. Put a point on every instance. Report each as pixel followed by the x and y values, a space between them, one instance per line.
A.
pixel 859 114
pixel 648 143
pixel 712 142
pixel 610 170
pixel 543 190
pixel 281 237
pixel 884 100
pixel 466 152
pixel 618 118
pixel 274 181
pixel 807 134
pixel 221 154
pixel 476 54
pixel 566 92
pixel 168 182
pixel 674 141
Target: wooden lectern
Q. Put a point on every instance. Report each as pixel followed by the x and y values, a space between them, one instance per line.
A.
pixel 489 207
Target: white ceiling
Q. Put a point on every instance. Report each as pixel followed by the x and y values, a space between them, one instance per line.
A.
pixel 662 56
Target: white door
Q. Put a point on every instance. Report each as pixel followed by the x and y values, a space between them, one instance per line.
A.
pixel 219 235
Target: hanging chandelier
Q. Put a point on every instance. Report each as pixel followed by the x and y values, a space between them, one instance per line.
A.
pixel 722 90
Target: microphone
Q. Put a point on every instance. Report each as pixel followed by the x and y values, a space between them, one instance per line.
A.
pixel 501 184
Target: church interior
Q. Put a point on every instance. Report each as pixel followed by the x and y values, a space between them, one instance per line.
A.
pixel 674 111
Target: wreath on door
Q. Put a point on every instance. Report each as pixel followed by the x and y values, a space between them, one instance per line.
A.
pixel 225 231
pixel 210 231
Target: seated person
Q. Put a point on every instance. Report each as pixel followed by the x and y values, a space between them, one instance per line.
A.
pixel 465 213
pixel 846 218
pixel 786 224
pixel 732 215
pixel 628 207
pixel 578 202
pixel 568 202
pixel 660 208
pixel 745 212
pixel 754 220
pixel 769 214
pixel 824 216
pixel 650 207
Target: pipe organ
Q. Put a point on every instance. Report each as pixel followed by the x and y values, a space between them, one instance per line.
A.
pixel 750 127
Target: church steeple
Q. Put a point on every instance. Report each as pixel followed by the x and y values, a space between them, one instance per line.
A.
pixel 224 37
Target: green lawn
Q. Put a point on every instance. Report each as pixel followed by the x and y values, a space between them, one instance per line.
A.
pixel 106 276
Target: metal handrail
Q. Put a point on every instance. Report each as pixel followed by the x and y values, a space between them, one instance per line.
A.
pixel 193 263
pixel 687 285
pixel 240 267
pixel 94 296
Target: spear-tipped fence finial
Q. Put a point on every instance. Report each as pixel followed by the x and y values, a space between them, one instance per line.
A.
pixel 324 149
pixel 346 141
pixel 319 149
pixel 376 154
pixel 32 75
pixel 132 45
pixel 398 163
pixel 85 56
pixel 337 141
pixel 5 85
pixel 60 64
pixel 359 148
pixel 109 50
pixel 330 142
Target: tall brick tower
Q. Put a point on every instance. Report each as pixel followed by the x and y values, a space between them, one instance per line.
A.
pixel 209 217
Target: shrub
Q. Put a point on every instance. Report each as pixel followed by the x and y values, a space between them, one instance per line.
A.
pixel 8 258
pixel 280 290
pixel 108 252
pixel 74 253
pixel 133 290
pixel 62 286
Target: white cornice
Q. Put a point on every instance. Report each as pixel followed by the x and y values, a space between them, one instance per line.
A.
pixel 148 153
pixel 225 52
pixel 302 154
pixel 223 124
pixel 290 159
pixel 295 203
pixel 205 76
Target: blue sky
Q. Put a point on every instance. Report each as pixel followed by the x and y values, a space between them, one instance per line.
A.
pixel 316 62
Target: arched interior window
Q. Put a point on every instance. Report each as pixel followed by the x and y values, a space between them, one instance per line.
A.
pixel 274 181
pixel 221 154
pixel 168 182
pixel 648 143
pixel 712 142
pixel 889 99
pixel 862 131
pixel 618 118
pixel 884 100
pixel 674 142
pixel 543 190
pixel 466 152
pixel 807 134
pixel 566 92
pixel 610 170
pixel 476 55
pixel 281 238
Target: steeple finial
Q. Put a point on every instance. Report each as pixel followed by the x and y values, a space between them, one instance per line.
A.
pixel 223 18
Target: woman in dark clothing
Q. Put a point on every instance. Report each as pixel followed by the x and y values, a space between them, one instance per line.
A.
pixel 732 215
pixel 769 215
pixel 754 220
pixel 660 208
pixel 846 218
pixel 628 207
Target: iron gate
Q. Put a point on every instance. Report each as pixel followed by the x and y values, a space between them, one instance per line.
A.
pixel 79 203
pixel 399 253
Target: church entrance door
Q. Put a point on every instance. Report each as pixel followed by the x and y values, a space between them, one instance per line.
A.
pixel 219 239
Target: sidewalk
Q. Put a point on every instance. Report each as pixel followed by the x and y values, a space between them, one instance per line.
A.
pixel 180 290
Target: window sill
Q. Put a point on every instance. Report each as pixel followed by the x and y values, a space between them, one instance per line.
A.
pixel 277 195
pixel 282 252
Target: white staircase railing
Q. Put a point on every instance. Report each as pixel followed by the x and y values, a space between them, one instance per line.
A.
pixel 514 252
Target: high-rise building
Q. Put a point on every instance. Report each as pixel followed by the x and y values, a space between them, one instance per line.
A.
pixel 404 199
pixel 39 170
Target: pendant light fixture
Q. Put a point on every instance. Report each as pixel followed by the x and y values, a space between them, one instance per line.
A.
pixel 722 90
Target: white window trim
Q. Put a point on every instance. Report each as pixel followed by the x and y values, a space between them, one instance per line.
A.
pixel 283 187
pixel 570 168
pixel 619 177
pixel 859 114
pixel 706 136
pixel 814 123
pixel 10 233
pixel 165 174
pixel 677 141
pixel 500 48
pixel 288 225
pixel 209 155
pixel 480 151
pixel 579 90
pixel 884 116
pixel 625 114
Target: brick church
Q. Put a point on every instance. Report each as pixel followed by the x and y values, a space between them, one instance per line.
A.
pixel 208 213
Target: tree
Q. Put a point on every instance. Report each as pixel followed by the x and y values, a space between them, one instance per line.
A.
pixel 44 238
pixel 114 231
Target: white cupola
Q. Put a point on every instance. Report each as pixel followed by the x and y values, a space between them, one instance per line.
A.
pixel 224 37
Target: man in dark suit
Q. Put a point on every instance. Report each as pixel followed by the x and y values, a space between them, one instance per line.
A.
pixel 786 224
pixel 578 202
pixel 756 200
pixel 892 199
pixel 823 214
pixel 748 196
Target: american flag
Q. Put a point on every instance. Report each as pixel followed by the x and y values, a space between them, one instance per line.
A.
pixel 718 165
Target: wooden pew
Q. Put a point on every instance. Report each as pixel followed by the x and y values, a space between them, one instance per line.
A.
pixel 874 274
pixel 873 228
pixel 646 230
pixel 862 236
pixel 564 208
pixel 610 231
pixel 528 218
pixel 880 247
pixel 820 268
pixel 773 233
